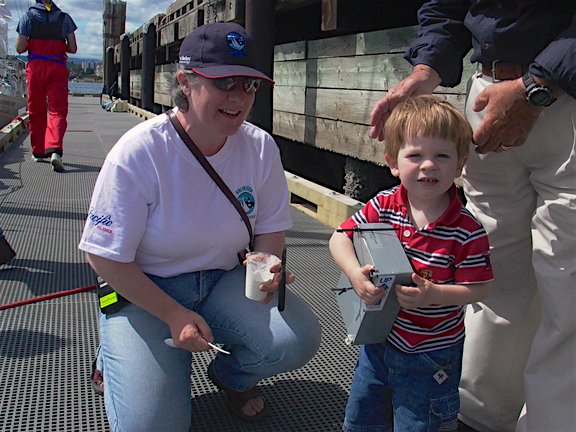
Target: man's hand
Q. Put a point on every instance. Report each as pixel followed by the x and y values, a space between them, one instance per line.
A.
pixel 509 117
pixel 423 80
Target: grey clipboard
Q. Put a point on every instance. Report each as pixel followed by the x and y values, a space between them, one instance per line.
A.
pixel 375 244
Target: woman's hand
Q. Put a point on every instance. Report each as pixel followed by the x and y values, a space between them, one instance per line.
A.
pixel 274 284
pixel 190 331
pixel 274 244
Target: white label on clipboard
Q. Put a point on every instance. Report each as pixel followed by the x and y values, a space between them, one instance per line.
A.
pixel 383 281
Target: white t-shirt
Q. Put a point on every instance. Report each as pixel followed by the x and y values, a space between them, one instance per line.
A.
pixel 154 204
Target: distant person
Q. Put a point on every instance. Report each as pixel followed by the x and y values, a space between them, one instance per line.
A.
pixel 410 382
pixel 47 34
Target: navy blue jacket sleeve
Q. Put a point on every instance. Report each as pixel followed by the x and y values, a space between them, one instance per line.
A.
pixel 443 40
pixel 557 62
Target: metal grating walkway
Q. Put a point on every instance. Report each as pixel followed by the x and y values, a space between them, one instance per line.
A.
pixel 46 348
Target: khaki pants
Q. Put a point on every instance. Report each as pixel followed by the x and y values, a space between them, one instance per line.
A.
pixel 521 341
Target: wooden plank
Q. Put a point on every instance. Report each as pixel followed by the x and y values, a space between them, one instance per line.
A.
pixel 162 76
pixel 344 138
pixel 291 73
pixel 187 24
pixel 377 42
pixel 177 5
pixel 289 125
pixel 167 34
pixel 136 83
pixel 12 130
pixel 372 72
pixel 290 51
pixel 348 139
pixel 329 15
pixel 228 10
pixel 355 106
pixel 162 99
pixel 386 41
pixel 331 207
pixel 289 99
pixel 341 46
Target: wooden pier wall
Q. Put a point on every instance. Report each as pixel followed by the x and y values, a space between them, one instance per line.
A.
pixel 325 89
pixel 324 92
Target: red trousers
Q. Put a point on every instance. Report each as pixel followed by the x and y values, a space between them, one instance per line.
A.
pixel 47 80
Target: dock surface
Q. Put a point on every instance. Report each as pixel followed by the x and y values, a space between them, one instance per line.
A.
pixel 46 348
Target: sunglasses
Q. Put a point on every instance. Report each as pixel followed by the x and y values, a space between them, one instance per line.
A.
pixel 250 85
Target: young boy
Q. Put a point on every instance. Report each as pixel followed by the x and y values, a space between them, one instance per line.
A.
pixel 410 382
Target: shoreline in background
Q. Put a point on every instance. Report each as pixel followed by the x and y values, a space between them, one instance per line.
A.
pixel 88 87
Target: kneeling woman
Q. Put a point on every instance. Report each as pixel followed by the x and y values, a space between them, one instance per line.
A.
pixel 170 245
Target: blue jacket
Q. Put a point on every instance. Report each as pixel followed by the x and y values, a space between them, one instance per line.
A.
pixel 539 34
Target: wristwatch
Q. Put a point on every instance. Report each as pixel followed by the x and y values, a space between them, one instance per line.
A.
pixel 537 95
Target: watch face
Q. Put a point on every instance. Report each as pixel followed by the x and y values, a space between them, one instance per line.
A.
pixel 540 97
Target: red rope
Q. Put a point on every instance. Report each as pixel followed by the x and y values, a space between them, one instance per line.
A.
pixel 47 297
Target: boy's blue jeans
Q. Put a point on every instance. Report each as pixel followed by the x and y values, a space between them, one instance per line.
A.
pixel 147 383
pixel 396 391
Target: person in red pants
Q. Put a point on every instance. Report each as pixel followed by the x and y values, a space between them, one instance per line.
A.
pixel 47 34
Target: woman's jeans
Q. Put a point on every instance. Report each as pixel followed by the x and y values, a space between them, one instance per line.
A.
pixel 401 392
pixel 147 383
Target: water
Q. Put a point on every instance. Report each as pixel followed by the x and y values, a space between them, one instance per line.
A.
pixel 85 87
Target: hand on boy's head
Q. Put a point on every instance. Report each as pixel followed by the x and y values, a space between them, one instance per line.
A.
pixel 415 297
pixel 423 80
pixel 366 290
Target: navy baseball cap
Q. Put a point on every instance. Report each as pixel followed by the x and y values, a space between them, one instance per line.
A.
pixel 219 50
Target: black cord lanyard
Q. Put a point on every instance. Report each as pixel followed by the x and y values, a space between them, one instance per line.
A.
pixel 210 170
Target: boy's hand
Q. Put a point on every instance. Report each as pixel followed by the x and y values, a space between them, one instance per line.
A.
pixel 418 296
pixel 366 290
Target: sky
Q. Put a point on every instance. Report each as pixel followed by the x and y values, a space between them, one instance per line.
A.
pixel 87 14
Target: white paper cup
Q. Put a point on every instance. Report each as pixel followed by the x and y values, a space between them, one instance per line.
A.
pixel 258 272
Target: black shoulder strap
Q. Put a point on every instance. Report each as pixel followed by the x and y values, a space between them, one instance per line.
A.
pixel 204 162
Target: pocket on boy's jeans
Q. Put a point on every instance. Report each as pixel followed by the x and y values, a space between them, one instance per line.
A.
pixel 445 359
pixel 444 412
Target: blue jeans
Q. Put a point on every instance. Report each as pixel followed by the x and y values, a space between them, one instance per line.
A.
pixel 396 391
pixel 148 383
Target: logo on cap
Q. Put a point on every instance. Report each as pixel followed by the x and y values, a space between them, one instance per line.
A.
pixel 237 43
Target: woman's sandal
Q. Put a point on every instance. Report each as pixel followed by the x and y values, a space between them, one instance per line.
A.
pixel 237 400
pixel 97 380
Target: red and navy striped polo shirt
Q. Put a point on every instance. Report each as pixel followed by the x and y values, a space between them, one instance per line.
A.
pixel 452 250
